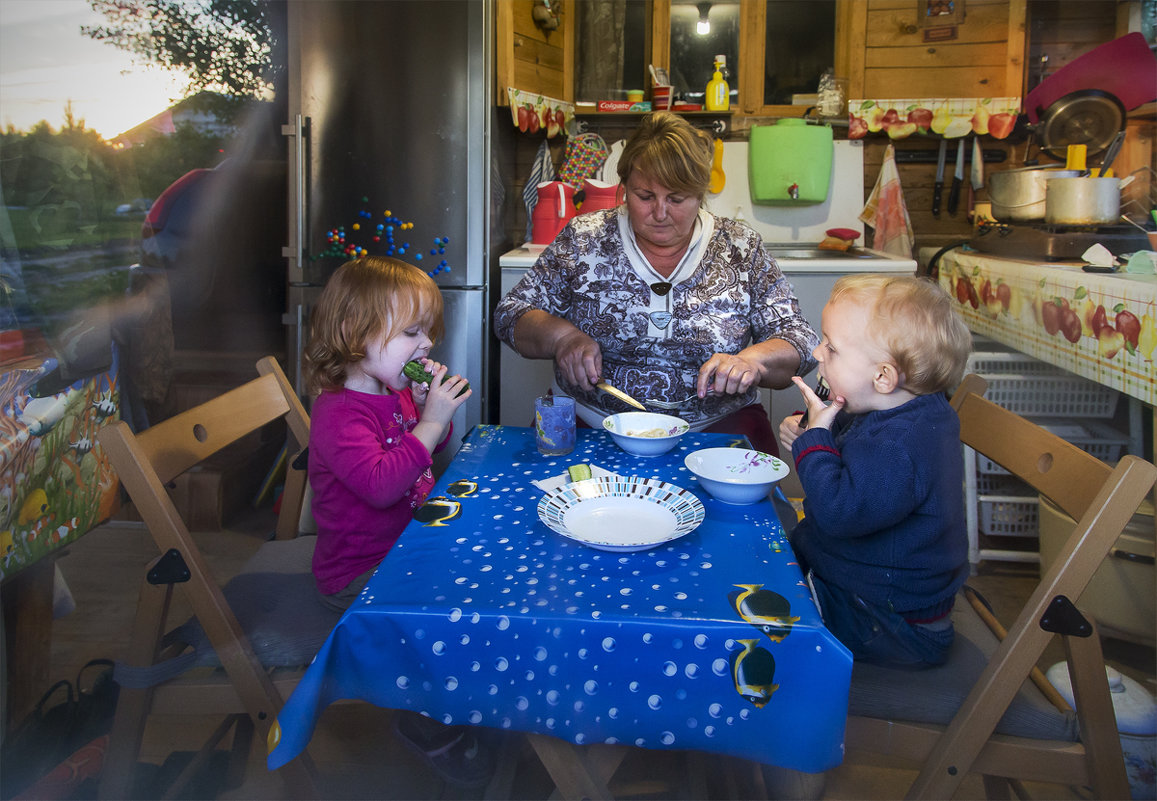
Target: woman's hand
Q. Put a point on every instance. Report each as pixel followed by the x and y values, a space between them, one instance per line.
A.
pixel 579 358
pixel 727 374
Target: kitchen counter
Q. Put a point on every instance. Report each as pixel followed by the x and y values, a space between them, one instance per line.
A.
pixel 1123 306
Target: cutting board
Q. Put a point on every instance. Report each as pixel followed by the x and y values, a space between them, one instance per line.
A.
pixel 1124 67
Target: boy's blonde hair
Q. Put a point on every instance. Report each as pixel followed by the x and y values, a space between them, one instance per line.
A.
pixel 366 298
pixel 915 321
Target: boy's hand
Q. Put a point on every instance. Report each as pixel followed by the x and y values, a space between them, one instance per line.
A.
pixel 789 431
pixel 819 414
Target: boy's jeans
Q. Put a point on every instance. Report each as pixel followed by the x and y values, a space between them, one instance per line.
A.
pixel 878 635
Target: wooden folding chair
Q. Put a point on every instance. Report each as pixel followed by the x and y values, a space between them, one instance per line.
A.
pixel 243 636
pixel 978 713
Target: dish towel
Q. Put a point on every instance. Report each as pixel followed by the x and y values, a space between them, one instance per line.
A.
pixel 541 170
pixel 886 211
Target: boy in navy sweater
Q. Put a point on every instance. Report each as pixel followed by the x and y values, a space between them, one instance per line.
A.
pixel 883 541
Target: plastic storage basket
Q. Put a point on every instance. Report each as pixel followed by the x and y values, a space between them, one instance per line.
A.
pixel 1043 395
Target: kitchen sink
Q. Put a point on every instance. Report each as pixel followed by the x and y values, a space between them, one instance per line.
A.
pixel 816 253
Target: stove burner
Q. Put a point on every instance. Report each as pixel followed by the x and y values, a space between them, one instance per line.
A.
pixel 1053 242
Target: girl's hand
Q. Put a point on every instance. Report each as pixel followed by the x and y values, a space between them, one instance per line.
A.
pixel 420 390
pixel 819 414
pixel 441 401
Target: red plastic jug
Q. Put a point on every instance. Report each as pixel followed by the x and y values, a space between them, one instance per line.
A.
pixel 600 195
pixel 554 208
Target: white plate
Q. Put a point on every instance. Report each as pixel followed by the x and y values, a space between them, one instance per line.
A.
pixel 613 513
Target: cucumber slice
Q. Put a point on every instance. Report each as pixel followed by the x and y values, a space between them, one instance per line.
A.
pixel 579 472
pixel 416 372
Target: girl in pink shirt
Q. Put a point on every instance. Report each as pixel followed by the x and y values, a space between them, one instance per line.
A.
pixel 372 433
pixel 372 429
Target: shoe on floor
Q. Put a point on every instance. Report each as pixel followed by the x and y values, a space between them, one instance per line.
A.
pixel 455 753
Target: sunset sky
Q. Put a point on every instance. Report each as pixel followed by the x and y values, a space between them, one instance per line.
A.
pixel 45 61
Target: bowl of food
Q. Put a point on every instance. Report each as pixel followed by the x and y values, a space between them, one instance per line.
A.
pixel 645 433
pixel 736 475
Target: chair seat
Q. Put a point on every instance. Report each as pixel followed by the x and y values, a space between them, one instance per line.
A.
pixel 935 695
pixel 275 600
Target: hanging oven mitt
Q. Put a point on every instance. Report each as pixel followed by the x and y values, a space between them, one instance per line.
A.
pixel 585 153
pixel 541 170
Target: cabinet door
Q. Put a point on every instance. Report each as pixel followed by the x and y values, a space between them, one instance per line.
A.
pixel 786 46
pixel 531 57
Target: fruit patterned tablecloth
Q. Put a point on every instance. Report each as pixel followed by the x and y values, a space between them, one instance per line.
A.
pixel 55 482
pixel 1100 326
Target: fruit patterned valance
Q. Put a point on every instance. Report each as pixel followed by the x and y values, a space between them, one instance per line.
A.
pixel 948 117
pixel 532 112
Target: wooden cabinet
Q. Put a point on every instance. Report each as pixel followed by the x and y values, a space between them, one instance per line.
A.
pixel 532 58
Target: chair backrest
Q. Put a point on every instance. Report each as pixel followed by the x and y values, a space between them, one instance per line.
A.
pixel 145 463
pixel 1102 500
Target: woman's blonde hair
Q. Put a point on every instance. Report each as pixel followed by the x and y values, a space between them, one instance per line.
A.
pixel 915 321
pixel 668 149
pixel 364 299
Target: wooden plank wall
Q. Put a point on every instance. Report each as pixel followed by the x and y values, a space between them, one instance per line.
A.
pixel 530 58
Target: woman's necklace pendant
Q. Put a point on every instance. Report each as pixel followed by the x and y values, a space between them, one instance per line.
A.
pixel 661 288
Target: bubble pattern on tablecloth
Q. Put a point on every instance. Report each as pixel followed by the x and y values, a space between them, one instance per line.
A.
pixel 577 688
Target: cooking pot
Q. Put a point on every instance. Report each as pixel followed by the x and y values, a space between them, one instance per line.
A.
pixel 1083 201
pixel 1019 195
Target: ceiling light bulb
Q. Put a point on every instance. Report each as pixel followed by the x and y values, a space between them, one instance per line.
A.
pixel 703 26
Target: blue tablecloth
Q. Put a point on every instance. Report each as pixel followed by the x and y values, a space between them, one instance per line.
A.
pixel 482 615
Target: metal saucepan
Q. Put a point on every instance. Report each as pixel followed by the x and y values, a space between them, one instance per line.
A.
pixel 1084 201
pixel 1019 195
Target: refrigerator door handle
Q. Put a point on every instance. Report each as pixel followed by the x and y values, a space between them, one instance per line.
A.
pixel 295 251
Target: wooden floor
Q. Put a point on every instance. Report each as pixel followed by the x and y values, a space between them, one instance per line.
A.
pixel 354 747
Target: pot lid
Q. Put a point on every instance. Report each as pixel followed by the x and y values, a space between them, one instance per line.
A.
pixel 1088 117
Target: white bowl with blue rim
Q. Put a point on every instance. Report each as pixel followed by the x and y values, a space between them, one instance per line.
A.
pixel 645 433
pixel 736 475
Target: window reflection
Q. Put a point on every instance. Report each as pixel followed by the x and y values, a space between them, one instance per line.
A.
pixel 611 52
pixel 693 54
pixel 800 46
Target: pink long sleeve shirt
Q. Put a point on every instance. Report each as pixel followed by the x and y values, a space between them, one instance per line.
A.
pixel 368 474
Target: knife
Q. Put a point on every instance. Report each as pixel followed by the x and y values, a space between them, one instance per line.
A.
pixel 939 187
pixel 977 165
pixel 957 179
pixel 618 393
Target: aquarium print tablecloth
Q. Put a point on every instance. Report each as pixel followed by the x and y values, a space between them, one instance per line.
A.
pixel 482 615
pixel 55 483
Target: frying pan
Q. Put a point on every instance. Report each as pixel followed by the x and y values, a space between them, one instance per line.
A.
pixel 1089 117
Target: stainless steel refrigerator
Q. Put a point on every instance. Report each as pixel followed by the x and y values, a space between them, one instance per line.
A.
pixel 390 119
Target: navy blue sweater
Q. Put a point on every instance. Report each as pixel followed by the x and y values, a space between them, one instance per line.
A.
pixel 884 506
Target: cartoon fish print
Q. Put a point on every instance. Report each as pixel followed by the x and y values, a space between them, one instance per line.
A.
pixel 42 414
pixel 437 510
pixel 767 610
pixel 81 446
pixel 463 488
pixel 34 506
pixel 104 406
pixel 753 672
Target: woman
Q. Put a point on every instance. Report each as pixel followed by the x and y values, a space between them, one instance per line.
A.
pixel 662 299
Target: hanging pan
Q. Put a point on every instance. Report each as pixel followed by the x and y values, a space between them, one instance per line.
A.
pixel 1088 117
